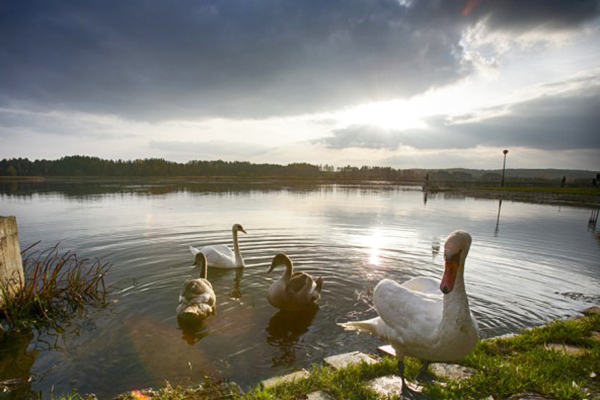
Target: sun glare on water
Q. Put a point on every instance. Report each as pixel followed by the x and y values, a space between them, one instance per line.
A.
pixel 374 243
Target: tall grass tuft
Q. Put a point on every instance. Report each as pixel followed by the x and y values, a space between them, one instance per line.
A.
pixel 55 286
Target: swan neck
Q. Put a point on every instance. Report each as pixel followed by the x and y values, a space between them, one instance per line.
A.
pixel 456 303
pixel 289 270
pixel 239 261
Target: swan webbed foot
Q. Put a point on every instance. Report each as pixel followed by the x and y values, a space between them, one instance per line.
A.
pixel 407 392
pixel 423 374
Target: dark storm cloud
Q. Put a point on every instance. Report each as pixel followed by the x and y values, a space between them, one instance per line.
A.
pixel 14 122
pixel 553 123
pixel 519 15
pixel 240 58
pixel 560 122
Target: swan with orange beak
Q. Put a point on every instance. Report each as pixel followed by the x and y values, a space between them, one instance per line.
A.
pixel 423 317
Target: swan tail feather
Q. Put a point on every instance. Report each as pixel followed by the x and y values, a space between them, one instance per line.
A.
pixel 194 250
pixel 369 326
pixel 319 283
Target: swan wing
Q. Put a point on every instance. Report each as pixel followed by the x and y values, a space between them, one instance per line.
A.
pixel 303 288
pixel 298 282
pixel 196 300
pixel 219 256
pixel 423 284
pixel 407 311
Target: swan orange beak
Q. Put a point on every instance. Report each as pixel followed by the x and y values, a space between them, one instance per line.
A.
pixel 449 277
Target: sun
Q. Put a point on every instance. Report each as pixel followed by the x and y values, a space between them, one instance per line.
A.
pixel 390 115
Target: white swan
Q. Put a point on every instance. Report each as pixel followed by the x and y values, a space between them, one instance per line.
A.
pixel 418 320
pixel 197 299
pixel 294 290
pixel 221 256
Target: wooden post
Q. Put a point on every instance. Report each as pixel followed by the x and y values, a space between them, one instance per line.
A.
pixel 11 265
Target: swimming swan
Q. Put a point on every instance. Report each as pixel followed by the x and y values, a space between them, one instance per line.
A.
pixel 419 321
pixel 221 256
pixel 294 290
pixel 197 299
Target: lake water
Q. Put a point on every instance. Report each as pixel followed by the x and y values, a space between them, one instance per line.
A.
pixel 528 265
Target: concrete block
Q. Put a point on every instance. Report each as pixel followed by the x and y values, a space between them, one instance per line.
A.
pixel 320 395
pixel 566 349
pixel 294 376
pixel 343 360
pixel 390 386
pixel 451 371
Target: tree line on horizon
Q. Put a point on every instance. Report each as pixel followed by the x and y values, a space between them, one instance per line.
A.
pixel 81 166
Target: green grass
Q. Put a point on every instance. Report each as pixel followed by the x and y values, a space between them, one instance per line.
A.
pixel 55 286
pixel 523 364
pixel 586 191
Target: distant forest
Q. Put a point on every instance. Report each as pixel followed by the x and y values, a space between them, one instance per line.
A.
pixel 81 166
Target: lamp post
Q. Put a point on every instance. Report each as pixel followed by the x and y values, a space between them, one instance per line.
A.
pixel 503 168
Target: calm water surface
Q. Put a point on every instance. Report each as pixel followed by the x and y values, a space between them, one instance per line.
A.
pixel 523 260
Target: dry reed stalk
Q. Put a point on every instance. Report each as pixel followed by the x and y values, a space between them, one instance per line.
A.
pixel 55 286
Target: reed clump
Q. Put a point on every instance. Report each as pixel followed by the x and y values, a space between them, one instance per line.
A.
pixel 55 286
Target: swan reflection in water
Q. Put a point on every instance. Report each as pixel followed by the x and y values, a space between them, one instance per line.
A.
pixel 236 292
pixel 193 331
pixel 285 329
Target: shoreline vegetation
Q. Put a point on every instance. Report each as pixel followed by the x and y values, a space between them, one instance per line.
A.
pixel 560 360
pixel 55 286
pixel 89 167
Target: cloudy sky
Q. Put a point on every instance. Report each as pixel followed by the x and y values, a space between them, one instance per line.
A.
pixel 401 83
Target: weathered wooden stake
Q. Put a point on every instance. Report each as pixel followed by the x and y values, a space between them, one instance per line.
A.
pixel 11 265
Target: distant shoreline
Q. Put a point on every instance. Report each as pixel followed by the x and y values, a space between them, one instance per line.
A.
pixel 578 197
pixel 547 194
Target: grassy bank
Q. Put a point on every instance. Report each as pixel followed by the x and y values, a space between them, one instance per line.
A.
pixel 569 196
pixel 582 191
pixel 504 367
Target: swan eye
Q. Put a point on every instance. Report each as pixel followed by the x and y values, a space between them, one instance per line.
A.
pixel 453 259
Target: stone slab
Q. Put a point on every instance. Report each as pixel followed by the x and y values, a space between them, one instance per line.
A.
pixel 595 335
pixel 320 395
pixel 566 349
pixel 294 376
pixel 527 396
pixel 343 360
pixel 390 386
pixel 386 386
pixel 451 371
